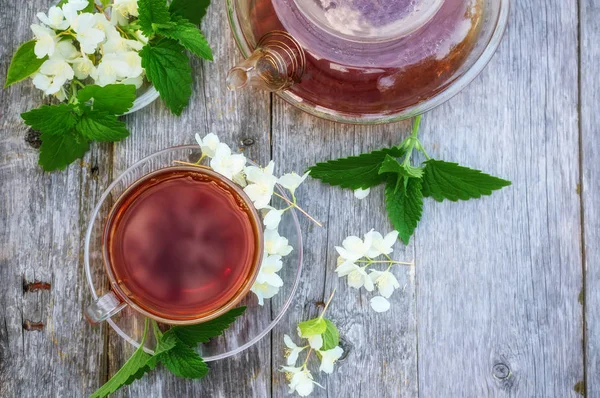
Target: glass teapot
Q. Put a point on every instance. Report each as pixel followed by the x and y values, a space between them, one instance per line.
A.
pixel 364 61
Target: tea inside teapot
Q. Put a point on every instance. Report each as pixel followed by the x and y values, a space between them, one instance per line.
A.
pixel 356 60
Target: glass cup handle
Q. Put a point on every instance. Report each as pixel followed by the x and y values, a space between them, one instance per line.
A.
pixel 104 307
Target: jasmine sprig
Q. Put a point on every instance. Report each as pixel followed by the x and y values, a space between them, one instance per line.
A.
pixel 323 339
pixel 406 184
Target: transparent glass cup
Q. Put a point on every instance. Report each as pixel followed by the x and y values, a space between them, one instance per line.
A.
pixel 115 300
pixel 128 323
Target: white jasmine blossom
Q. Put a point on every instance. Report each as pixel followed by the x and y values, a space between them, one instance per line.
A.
pixel 268 271
pixel 293 350
pixel 381 245
pixel 354 248
pixel 273 218
pixel 362 193
pixel 65 50
pixel 122 10
pixel 316 342
pixel 72 7
pixel 385 281
pixel 83 67
pixel 301 380
pixel 261 184
pixel 55 18
pixel 45 40
pixel 226 163
pixel 291 181
pixel 359 278
pixel 111 68
pixel 380 304
pixel 86 34
pixel 208 144
pixel 264 291
pixel 53 74
pixel 276 244
pixel 329 357
pixel 117 44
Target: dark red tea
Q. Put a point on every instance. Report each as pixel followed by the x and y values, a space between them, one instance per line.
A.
pixel 181 244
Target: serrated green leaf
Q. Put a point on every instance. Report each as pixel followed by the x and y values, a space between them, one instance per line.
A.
pixel 105 3
pixel 168 69
pixel 133 369
pixel 101 126
pixel 182 360
pixel 24 63
pixel 331 336
pixel 192 10
pixel 445 180
pixel 405 171
pixel 404 205
pixel 312 327
pixel 189 36
pixel 60 150
pixel 112 98
pixel 52 119
pixel 203 332
pixel 152 13
pixel 355 171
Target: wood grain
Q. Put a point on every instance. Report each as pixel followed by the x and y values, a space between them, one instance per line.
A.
pixel 498 278
pixel 590 189
pixel 299 141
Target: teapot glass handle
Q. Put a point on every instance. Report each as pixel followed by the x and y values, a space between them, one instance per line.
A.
pixel 104 307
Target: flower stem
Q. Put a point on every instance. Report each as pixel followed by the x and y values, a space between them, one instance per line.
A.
pixel 327 304
pixel 368 262
pixel 298 208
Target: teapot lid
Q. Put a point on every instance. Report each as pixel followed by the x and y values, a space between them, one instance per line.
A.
pixel 368 20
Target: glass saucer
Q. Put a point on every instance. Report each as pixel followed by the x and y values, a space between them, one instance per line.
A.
pixel 257 320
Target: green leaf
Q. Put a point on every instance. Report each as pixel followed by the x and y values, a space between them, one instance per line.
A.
pixel 60 150
pixel 182 360
pixel 152 13
pixel 404 205
pixel 105 3
pixel 444 180
pixel 132 370
pixel 331 336
pixel 192 10
pixel 405 171
pixel 356 171
pixel 90 7
pixel 101 126
pixel 112 98
pixel 52 119
pixel 24 64
pixel 203 332
pixel 312 327
pixel 168 69
pixel 189 36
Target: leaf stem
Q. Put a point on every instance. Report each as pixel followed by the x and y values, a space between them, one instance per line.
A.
pixel 298 208
pixel 327 304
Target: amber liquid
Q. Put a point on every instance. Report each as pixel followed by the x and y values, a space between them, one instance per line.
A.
pixel 360 79
pixel 181 244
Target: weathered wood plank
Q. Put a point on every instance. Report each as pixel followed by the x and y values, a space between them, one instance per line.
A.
pixel 299 141
pixel 590 98
pixel 499 278
pixel 42 216
pixel 234 118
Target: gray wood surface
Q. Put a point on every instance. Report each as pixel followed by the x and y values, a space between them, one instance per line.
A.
pixel 493 305
pixel 590 160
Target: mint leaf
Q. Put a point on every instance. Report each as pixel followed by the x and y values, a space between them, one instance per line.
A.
pixel 444 180
pixel 203 332
pixel 152 13
pixel 133 369
pixel 405 171
pixel 101 126
pixel 404 205
pixel 24 63
pixel 60 150
pixel 192 10
pixel 112 98
pixel 356 171
pixel 189 36
pixel 52 119
pixel 182 360
pixel 168 69
pixel 331 336
pixel 312 327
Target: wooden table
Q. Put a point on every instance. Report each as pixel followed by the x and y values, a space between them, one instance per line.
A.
pixel 504 298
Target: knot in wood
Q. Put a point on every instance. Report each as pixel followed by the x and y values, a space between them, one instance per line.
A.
pixel 248 141
pixel 501 371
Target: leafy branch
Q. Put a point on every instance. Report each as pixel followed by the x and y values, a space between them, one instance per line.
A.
pixel 406 184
